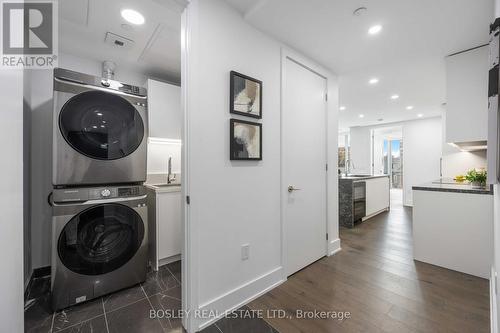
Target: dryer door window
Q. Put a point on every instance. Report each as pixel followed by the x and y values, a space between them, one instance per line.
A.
pixel 101 125
pixel 100 239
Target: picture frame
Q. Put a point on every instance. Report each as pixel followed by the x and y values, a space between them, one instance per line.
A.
pixel 245 140
pixel 245 97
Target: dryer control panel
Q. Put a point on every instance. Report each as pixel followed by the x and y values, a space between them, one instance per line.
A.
pixel 97 193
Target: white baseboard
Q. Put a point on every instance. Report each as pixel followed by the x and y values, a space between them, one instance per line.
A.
pixel 375 214
pixel 168 260
pixel 240 296
pixel 334 247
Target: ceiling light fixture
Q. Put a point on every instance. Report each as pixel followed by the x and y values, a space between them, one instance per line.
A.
pixel 394 96
pixel 361 116
pixel 342 108
pixel 409 107
pixel 420 115
pixel 375 29
pixel 133 16
pixel 373 81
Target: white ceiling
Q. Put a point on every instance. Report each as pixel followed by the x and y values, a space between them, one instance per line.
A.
pixel 156 48
pixel 407 56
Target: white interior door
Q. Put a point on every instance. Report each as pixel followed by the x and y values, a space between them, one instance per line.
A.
pixel 304 166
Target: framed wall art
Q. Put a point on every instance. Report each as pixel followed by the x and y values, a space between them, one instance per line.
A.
pixel 245 140
pixel 245 95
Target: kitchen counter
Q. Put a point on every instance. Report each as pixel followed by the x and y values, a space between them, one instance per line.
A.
pixel 453 227
pixel 450 186
pixel 376 198
pixel 158 183
pixel 164 188
pixel 361 177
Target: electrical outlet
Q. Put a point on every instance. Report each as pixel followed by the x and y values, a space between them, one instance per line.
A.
pixel 245 251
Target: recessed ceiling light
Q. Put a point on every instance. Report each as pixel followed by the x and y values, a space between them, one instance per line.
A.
pixel 342 108
pixel 394 96
pixel 373 81
pixel 133 16
pixel 409 107
pixel 420 115
pixel 375 29
pixel 361 116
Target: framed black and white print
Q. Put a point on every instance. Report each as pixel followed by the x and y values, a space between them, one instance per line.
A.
pixel 245 95
pixel 245 140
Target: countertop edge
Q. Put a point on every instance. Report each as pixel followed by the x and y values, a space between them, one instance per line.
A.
pixel 362 178
pixel 166 189
pixel 454 190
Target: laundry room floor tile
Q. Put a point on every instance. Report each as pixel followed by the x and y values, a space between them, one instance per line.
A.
pixel 77 314
pixel 123 297
pixel 126 311
pixel 133 318
pixel 168 281
pixel 153 284
pixel 95 325
pixel 38 314
pixel 175 269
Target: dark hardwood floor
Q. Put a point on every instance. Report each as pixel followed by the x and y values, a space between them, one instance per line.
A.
pixel 376 280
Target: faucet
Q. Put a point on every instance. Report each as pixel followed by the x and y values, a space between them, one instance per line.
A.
pixel 348 165
pixel 170 177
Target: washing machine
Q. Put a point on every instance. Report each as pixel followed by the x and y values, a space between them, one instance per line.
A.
pixel 99 242
pixel 99 131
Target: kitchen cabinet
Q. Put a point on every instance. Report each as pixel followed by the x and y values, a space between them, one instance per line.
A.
pixel 377 195
pixel 164 110
pixel 454 230
pixel 467 96
pixel 165 224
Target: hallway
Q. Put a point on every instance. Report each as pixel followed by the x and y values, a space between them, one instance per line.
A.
pixel 375 278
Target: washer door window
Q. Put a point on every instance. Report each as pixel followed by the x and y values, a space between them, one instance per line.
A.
pixel 101 125
pixel 100 239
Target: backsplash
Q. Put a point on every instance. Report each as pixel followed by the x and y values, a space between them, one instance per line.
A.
pixel 159 150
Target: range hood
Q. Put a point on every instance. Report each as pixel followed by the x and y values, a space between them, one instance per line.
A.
pixel 471 145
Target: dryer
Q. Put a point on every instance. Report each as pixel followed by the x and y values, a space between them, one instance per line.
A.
pixel 99 242
pixel 99 131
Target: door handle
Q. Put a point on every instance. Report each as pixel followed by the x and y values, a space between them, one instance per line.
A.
pixel 291 189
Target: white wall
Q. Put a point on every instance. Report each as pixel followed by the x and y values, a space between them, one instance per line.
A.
pixel 232 202
pixel 158 154
pixel 422 144
pixel 11 202
pixel 421 154
pixel 361 149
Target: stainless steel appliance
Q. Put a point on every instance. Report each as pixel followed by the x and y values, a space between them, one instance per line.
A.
pixel 359 198
pixel 99 242
pixel 493 117
pixel 99 131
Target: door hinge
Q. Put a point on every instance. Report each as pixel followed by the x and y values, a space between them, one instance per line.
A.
pixel 327 167
pixel 188 199
pixel 327 236
pixel 326 97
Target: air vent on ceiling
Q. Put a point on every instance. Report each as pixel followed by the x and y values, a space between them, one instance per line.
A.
pixel 118 41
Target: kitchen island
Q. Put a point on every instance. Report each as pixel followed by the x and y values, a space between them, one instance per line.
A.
pixel 362 197
pixel 453 226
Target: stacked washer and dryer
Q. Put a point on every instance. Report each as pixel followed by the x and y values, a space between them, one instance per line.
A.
pixel 99 220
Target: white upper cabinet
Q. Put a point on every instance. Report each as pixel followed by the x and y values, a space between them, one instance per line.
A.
pixel 164 109
pixel 467 96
